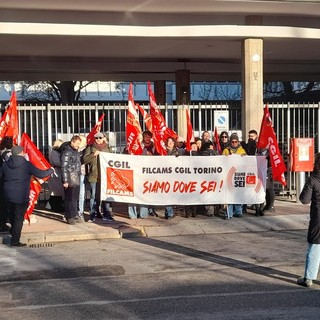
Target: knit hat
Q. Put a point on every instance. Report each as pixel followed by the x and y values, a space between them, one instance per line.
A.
pixel 234 136
pixel 16 150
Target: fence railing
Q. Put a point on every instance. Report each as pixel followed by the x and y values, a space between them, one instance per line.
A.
pixel 45 123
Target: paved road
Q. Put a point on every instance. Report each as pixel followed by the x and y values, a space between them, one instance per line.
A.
pixel 244 275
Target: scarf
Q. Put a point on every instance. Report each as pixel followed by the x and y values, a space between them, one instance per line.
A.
pixel 101 146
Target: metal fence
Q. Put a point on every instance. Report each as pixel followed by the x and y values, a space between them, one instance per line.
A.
pixel 45 123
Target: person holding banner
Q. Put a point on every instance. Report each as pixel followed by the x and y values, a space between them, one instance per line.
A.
pixel 234 210
pixel 207 146
pixel 148 149
pixel 251 149
pixel 70 173
pixel 17 173
pixel 91 160
pixel 224 140
pixel 311 193
pixel 172 150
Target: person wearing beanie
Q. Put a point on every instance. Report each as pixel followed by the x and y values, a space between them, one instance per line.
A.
pixel 234 210
pixel 16 173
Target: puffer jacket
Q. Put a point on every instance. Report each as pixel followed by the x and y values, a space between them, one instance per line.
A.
pixel 311 193
pixel 70 163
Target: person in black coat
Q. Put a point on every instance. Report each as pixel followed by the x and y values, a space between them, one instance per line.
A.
pixel 16 173
pixel 5 151
pixel 311 193
pixel 70 174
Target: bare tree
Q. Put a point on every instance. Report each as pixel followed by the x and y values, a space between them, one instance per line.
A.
pixel 292 91
pixel 219 91
pixel 65 92
pixel 121 89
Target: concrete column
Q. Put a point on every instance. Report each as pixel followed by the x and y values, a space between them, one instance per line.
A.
pixel 183 86
pixel 182 98
pixel 160 91
pixel 252 85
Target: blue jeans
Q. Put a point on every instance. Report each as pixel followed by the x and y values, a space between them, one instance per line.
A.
pixel 82 194
pixel 169 212
pixel 234 209
pixel 135 211
pixel 312 261
pixel 95 203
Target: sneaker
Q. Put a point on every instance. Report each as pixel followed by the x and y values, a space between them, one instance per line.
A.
pixel 91 220
pixel 109 219
pixel 304 282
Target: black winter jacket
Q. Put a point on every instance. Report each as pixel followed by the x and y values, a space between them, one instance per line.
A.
pixel 16 174
pixel 311 192
pixel 70 164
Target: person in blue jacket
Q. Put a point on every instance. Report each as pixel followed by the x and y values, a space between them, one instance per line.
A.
pixel 16 173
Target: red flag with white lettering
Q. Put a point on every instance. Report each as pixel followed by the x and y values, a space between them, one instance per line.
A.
pixel 94 130
pixel 268 140
pixel 9 125
pixel 38 160
pixel 159 127
pixel 190 134
pixel 133 128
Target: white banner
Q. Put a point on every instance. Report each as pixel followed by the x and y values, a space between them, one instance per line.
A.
pixel 184 180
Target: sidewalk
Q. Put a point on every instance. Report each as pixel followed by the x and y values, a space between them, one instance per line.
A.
pixel 48 227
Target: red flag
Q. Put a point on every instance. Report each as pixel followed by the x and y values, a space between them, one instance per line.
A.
pixel 190 135
pixel 38 160
pixel 133 129
pixel 34 154
pixel 35 189
pixel 146 117
pixel 268 140
pixel 159 127
pixel 94 130
pixel 9 122
pixel 217 141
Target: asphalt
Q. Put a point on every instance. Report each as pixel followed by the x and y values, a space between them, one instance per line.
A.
pixel 47 227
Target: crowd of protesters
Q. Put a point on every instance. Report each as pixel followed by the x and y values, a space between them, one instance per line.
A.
pixel 77 171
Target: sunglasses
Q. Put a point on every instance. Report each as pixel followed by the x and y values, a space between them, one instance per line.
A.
pixel 234 141
pixel 224 136
pixel 99 138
